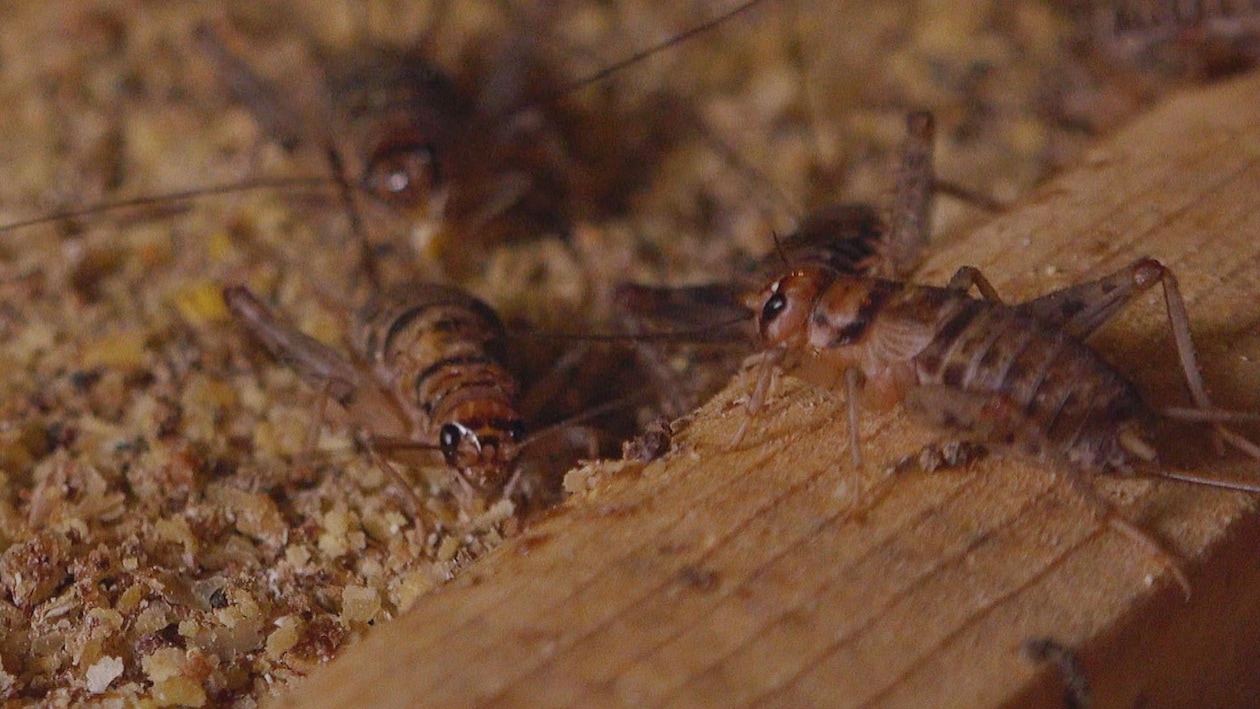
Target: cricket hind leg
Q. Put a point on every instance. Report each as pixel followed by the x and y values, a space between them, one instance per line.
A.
pixel 910 224
pixel 1143 274
pixel 968 277
pixel 1081 309
pixel 999 420
pixel 322 368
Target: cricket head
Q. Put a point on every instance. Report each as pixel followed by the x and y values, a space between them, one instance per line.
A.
pixel 483 450
pixel 783 307
pixel 402 171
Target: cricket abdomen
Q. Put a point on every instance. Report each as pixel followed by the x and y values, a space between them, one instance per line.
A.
pixel 1026 386
pixel 438 350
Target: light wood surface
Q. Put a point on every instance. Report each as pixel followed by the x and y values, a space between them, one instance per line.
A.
pixel 778 574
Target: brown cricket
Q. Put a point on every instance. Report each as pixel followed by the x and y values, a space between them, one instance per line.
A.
pixel 461 163
pixel 479 161
pixel 1014 377
pixel 426 374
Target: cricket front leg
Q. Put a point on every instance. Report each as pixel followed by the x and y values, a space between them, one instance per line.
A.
pixel 766 367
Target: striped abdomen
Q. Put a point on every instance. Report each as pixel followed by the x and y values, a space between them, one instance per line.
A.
pixel 1032 386
pixel 437 350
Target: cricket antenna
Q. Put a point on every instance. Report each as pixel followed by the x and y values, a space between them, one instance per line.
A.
pixel 710 335
pixel 645 53
pixel 279 183
pixel 778 249
pixel 1207 480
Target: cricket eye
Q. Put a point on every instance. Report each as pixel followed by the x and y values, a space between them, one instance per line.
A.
pixel 773 308
pixel 402 174
pixel 448 441
pixel 516 431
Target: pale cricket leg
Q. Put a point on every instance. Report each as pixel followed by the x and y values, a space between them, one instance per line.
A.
pixel 995 417
pixel 317 364
pixel 278 116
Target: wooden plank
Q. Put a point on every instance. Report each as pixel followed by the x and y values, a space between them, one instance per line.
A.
pixel 776 573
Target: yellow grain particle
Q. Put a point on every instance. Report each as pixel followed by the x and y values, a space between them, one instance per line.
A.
pixel 254 514
pixel 219 246
pixel 297 556
pixel 130 598
pixel 202 391
pixel 179 691
pixel 31 341
pixel 447 549
pixel 201 302
pixel 108 617
pixel 121 350
pixel 177 531
pixel 89 652
pixel 332 545
pixel 383 526
pixel 162 664
pixel 338 520
pixel 152 619
pixel 412 587
pixel 1028 136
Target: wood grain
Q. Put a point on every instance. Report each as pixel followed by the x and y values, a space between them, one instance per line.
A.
pixel 777 574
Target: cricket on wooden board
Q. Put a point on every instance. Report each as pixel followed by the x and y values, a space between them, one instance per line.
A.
pixel 1015 378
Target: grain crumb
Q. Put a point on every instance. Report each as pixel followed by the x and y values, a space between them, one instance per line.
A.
pixel 359 604
pixel 102 673
pixel 179 691
pixel 284 637
pixel 122 350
